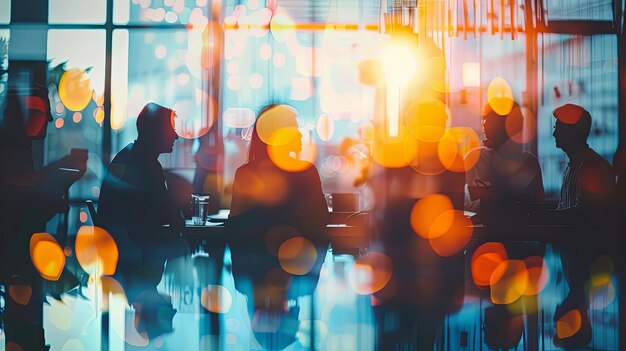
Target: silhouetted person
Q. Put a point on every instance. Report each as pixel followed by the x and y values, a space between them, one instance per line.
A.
pixel 28 201
pixel 269 207
pixel 424 285
pixel 509 178
pixel 136 208
pixel 503 165
pixel 585 201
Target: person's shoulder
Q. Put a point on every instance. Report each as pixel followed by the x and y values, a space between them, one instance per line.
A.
pixel 123 154
pixel 594 159
pixel 243 168
pixel 309 169
pixel 481 152
pixel 529 157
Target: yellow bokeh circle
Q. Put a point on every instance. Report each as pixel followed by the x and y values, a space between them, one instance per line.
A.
pixel 75 89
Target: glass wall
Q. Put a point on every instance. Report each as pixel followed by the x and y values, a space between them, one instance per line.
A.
pixel 582 71
pixel 76 84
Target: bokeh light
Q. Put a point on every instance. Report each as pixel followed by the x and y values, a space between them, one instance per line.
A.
pixel 500 96
pixel 238 117
pixel 77 117
pixel 75 89
pixel 521 125
pixel 73 345
pixel 455 146
pixel 96 251
pixel 190 125
pixel 427 120
pixel 325 127
pixel 508 282
pixel 601 287
pixel 61 313
pixel 394 151
pixel 279 60
pixel 370 273
pixel 399 63
pixel 297 255
pixel 47 256
pixel 282 26
pixel 538 275
pixel 569 324
pixel 98 114
pixel 256 81
pixel 471 74
pixel 288 152
pixel 432 216
pixel 233 82
pixel 216 299
pixel 265 51
pixel 456 238
pixel 485 260
pixel 160 51
pixel 273 119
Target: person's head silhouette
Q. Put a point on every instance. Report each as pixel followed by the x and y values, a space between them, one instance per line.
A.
pixel 27 112
pixel 572 127
pixel 276 125
pixel 495 125
pixel 155 129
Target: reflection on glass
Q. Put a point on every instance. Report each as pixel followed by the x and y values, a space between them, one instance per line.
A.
pixel 582 71
pixel 4 64
pixel 162 66
pixel 580 10
pixel 76 84
pixel 160 12
pixel 77 11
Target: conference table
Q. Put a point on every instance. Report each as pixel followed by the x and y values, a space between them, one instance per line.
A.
pixel 354 238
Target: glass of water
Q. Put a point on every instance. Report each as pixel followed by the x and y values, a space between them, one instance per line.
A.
pixel 201 208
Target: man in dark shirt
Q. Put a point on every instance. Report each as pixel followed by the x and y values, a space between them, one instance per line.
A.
pixel 135 205
pixel 588 181
pixel 586 198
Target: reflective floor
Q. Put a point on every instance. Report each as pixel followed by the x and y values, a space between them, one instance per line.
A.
pixel 343 319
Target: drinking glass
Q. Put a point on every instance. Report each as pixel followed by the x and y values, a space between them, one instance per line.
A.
pixel 201 208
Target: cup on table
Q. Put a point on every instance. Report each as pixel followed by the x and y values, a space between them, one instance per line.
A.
pixel 201 208
pixel 329 201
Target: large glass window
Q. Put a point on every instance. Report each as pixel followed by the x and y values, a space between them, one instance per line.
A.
pixel 583 71
pixel 4 64
pixel 315 71
pixel 166 12
pixel 473 64
pixel 77 11
pixel 5 11
pixel 76 89
pixel 162 66
pixel 580 9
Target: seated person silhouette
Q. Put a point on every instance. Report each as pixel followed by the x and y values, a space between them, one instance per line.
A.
pixel 28 201
pixel 136 207
pixel 277 227
pixel 505 174
pixel 585 201
pixel 503 166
